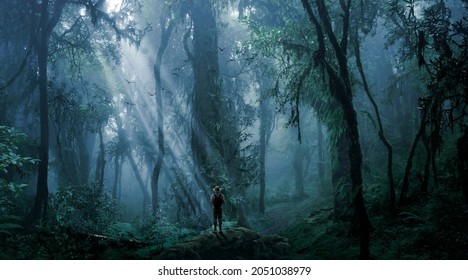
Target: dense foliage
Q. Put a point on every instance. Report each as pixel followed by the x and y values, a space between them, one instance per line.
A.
pixel 341 125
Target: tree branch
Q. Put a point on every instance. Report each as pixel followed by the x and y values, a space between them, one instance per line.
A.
pixel 344 39
pixel 319 54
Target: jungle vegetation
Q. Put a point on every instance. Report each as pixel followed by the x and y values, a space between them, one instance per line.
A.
pixel 336 129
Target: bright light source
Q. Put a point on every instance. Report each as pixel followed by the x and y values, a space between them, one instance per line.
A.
pixel 113 5
pixel 83 11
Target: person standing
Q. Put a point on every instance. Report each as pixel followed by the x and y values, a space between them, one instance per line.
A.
pixel 217 200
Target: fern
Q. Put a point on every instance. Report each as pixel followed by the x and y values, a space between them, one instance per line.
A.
pixel 121 230
pixel 411 217
pixel 10 141
pixel 9 223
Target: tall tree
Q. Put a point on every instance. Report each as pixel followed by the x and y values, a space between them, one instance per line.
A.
pixel 429 37
pixel 340 88
pixel 206 101
pixel 48 19
pixel 49 14
pixel 320 157
pixel 462 163
pixel 167 24
pixel 213 140
pixel 364 23
pixel 266 125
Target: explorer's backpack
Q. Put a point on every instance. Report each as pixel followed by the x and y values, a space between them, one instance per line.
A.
pixel 218 200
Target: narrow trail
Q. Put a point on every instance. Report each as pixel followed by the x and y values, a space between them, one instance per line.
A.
pixel 278 217
pixel 283 215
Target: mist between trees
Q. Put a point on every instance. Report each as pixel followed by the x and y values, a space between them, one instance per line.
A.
pixel 341 125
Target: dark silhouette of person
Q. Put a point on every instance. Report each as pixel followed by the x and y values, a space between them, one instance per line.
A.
pixel 217 200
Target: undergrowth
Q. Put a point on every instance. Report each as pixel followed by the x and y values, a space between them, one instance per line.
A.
pixel 432 227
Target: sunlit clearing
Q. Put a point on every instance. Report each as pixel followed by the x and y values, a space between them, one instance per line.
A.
pixel 113 6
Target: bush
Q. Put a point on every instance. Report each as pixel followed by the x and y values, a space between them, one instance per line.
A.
pixel 11 191
pixel 84 208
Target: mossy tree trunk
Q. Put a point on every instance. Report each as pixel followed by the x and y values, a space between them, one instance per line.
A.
pixel 341 181
pixel 206 96
pixel 214 145
pixel 340 88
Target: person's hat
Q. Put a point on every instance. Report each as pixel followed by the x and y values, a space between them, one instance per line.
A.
pixel 217 189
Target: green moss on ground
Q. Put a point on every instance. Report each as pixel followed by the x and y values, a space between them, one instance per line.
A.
pixel 432 227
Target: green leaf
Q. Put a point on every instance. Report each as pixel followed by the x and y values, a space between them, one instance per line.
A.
pixel 7 217
pixel 6 226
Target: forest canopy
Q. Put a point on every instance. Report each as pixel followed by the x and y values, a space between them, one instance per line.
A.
pixel 335 129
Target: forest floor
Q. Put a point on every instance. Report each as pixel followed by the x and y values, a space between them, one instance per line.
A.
pixel 277 216
pixel 280 216
pixel 434 226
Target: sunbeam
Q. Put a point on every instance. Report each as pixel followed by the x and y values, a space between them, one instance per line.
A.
pixel 301 129
pixel 113 6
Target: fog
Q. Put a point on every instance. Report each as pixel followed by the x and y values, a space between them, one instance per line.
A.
pixel 119 117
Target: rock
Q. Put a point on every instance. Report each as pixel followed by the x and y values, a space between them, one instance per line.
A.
pixel 234 243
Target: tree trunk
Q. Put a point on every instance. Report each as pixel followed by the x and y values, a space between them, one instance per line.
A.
pixel 427 165
pixel 214 147
pixel 462 160
pixel 83 164
pixel 101 160
pixel 409 162
pixel 298 166
pixel 262 153
pixel 341 181
pixel 42 51
pixel 434 170
pixel 321 158
pixel 340 87
pixel 206 127
pixel 116 178
pixel 119 187
pixel 136 171
pixel 388 146
pixel 141 183
pixel 42 192
pixel 165 35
